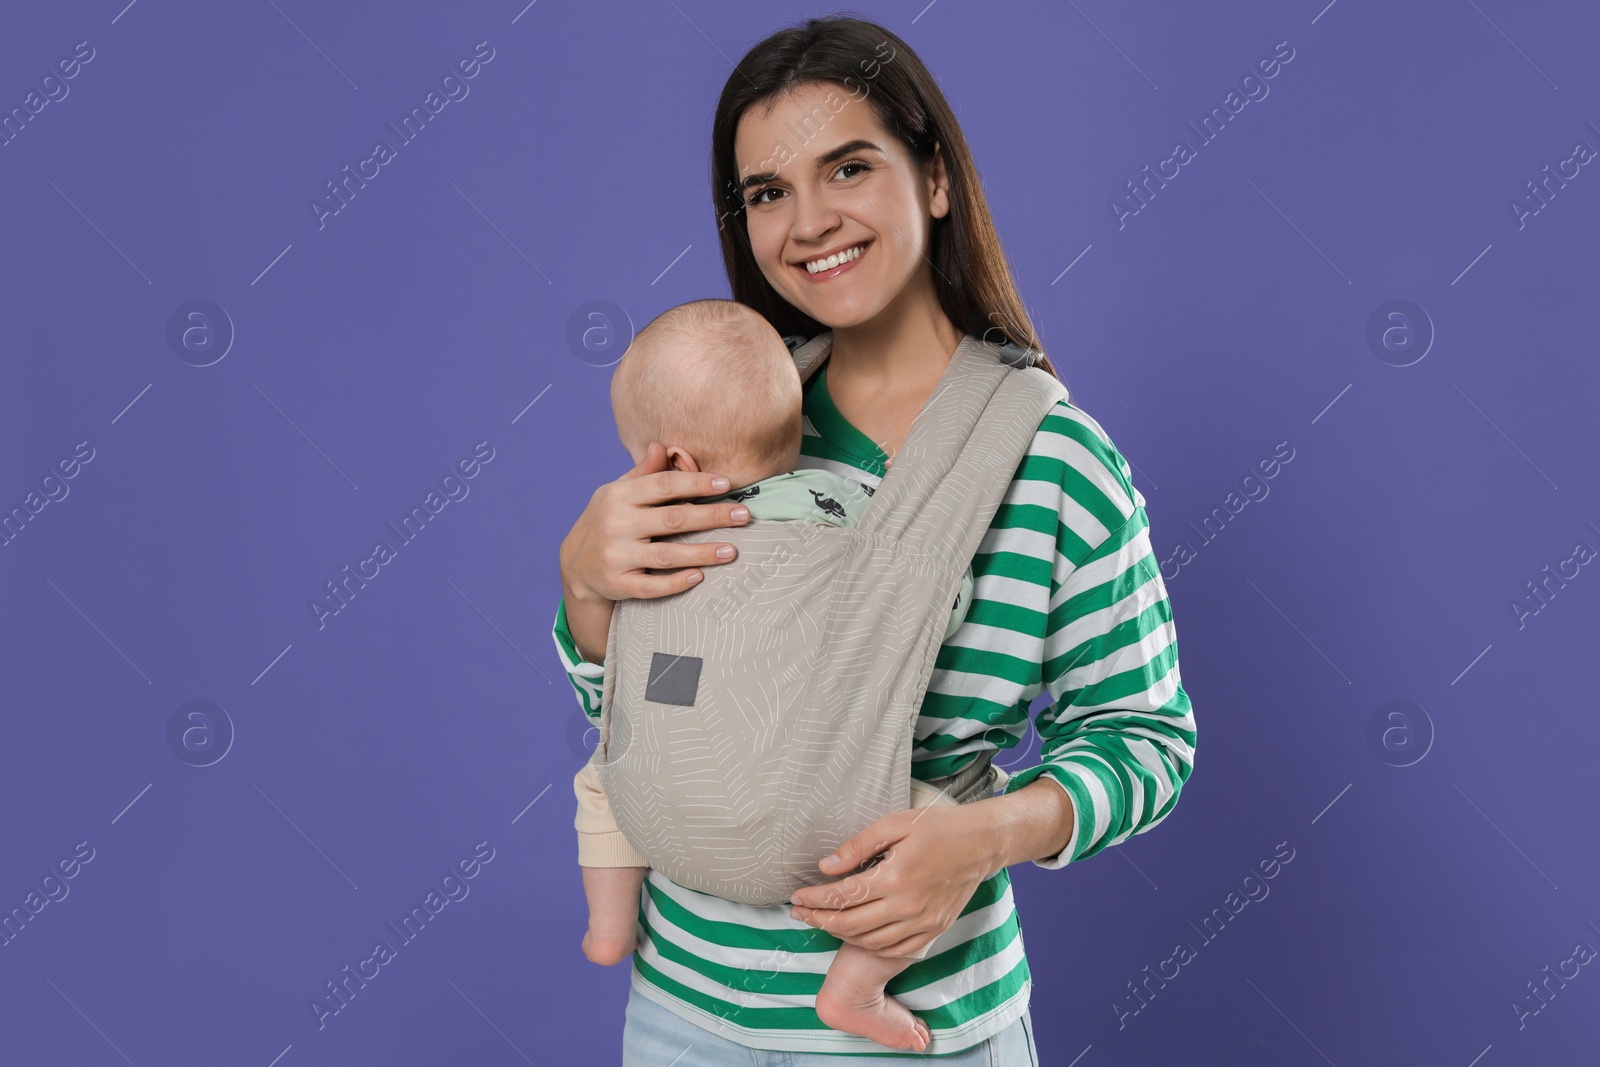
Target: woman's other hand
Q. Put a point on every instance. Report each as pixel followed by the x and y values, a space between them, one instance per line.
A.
pixel 934 859
pixel 606 555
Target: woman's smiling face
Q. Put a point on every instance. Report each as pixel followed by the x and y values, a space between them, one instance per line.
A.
pixel 851 189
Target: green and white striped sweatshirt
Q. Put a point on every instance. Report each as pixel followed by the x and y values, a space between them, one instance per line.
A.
pixel 1068 598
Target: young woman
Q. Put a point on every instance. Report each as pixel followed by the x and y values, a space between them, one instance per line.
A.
pixel 848 201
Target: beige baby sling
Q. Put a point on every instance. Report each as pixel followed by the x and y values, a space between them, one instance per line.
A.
pixel 756 721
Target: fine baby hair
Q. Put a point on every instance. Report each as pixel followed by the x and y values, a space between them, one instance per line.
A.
pixel 713 382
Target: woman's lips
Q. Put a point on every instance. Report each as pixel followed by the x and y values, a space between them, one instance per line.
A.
pixel 825 275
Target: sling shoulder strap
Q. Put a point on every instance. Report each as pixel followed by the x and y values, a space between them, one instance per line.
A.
pixel 955 467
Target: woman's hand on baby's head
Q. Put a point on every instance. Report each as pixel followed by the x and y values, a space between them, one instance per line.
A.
pixel 610 549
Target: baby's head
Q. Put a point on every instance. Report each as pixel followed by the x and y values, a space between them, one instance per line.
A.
pixel 714 383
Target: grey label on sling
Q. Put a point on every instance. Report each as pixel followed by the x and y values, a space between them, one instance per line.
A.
pixel 673 679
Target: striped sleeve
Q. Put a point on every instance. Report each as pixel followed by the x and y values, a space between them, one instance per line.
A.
pixel 1119 733
pixel 586 678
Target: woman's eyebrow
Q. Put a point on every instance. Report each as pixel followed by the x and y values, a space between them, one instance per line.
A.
pixel 833 155
pixel 846 149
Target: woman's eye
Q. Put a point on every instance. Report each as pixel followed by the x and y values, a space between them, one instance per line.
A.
pixel 846 170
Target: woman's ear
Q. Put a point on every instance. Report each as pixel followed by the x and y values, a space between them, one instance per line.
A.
pixel 938 184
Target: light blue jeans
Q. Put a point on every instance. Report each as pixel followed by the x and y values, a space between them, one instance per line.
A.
pixel 652 1036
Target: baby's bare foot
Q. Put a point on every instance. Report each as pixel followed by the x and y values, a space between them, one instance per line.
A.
pixel 613 897
pixel 607 947
pixel 870 1013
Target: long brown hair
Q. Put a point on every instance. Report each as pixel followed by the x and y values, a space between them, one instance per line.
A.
pixel 971 276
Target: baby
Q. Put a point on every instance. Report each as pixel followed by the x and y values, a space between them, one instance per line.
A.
pixel 714 382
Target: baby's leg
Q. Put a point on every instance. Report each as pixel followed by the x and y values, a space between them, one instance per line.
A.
pixel 613 873
pixel 852 999
pixel 613 894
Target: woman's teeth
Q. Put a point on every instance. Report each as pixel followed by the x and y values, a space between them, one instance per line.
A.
pixel 817 266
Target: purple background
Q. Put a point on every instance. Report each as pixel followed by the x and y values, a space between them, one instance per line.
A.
pixel 432 312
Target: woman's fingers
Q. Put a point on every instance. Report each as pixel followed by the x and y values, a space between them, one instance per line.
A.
pixel 615 548
pixel 898 939
pixel 683 518
pixel 854 923
pixel 644 586
pixel 655 459
pixel 651 488
pixel 651 515
pixel 588 552
pixel 878 927
pixel 845 893
pixel 894 937
pixel 872 841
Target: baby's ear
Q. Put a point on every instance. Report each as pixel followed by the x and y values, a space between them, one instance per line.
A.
pixel 679 459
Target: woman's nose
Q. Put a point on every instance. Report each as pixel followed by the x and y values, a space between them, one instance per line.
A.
pixel 813 217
